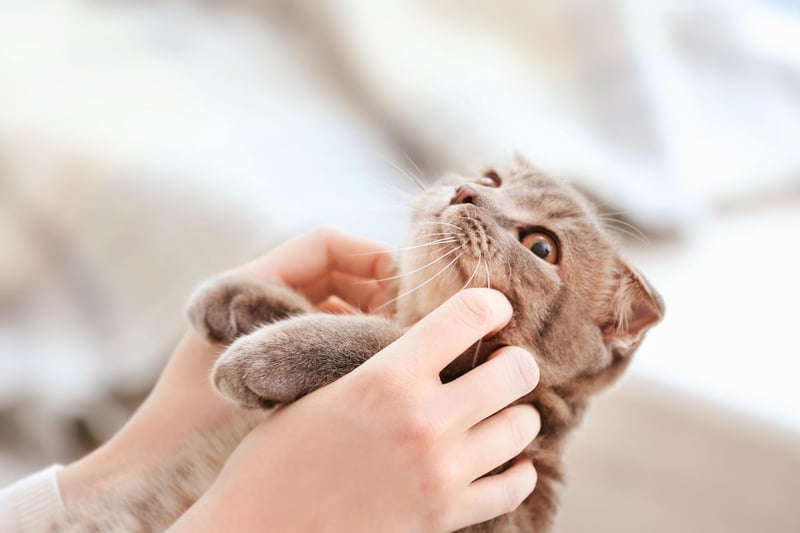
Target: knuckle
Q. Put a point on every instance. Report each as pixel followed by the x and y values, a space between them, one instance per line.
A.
pixel 513 496
pixel 522 425
pixel 521 370
pixel 386 387
pixel 422 433
pixel 472 310
pixel 518 431
pixel 439 520
pixel 324 233
pixel 415 427
pixel 439 477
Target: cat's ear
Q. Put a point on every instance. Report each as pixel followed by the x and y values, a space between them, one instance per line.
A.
pixel 635 306
pixel 520 161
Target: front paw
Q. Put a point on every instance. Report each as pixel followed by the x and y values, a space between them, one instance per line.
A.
pixel 226 308
pixel 282 362
pixel 254 371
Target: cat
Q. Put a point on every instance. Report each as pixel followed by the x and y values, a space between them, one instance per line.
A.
pixel 578 306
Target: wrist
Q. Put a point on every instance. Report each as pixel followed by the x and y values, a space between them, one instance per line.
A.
pixel 86 475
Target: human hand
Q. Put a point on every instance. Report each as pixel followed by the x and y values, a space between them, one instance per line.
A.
pixel 388 447
pixel 321 264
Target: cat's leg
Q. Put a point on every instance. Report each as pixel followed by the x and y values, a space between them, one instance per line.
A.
pixel 225 308
pixel 284 361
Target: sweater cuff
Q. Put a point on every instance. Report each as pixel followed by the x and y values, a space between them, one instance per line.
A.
pixel 35 501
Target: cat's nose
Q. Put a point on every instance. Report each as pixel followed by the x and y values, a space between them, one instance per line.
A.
pixel 465 194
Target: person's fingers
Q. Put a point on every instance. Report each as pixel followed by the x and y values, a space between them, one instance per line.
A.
pixel 336 306
pixel 365 294
pixel 500 437
pixel 508 375
pixel 304 259
pixel 491 496
pixel 447 331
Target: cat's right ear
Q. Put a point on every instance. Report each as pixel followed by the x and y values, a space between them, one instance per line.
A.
pixel 635 307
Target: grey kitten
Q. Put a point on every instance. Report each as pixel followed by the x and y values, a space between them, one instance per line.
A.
pixel 577 305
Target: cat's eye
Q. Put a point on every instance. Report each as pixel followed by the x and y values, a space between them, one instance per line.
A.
pixel 490 178
pixel 542 244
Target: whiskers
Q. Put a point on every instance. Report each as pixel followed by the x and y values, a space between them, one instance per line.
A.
pixel 447 237
pixel 442 238
pixel 488 286
pixel 472 276
pixel 439 222
pixel 423 267
pixel 611 221
pixel 441 241
pixel 449 242
pixel 426 282
pixel 414 177
pixel 394 194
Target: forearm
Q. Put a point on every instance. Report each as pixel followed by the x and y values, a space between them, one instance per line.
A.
pixel 160 427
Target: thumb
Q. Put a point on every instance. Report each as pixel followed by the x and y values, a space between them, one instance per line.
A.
pixel 441 336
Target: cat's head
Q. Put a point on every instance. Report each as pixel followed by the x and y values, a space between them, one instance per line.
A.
pixel 577 304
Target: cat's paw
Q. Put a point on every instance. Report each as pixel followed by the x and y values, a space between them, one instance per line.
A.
pixel 255 370
pixel 223 309
pixel 282 362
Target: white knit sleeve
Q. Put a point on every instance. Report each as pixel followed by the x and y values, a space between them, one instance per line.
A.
pixel 32 503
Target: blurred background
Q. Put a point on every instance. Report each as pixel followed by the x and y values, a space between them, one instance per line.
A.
pixel 145 145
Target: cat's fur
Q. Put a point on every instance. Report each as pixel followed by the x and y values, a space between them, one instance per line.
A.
pixel 582 318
